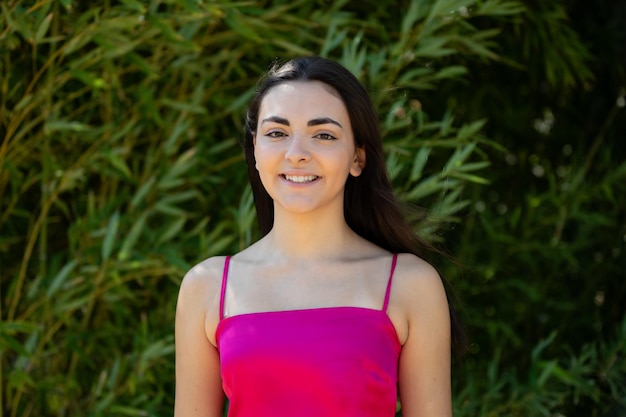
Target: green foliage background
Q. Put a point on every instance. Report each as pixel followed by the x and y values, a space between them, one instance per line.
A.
pixel 120 167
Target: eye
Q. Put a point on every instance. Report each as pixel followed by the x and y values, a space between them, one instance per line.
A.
pixel 275 134
pixel 325 136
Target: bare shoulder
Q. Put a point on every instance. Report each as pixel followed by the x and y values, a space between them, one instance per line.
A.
pixel 417 296
pixel 416 276
pixel 198 297
pixel 204 275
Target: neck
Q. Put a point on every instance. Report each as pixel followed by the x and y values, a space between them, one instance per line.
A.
pixel 310 236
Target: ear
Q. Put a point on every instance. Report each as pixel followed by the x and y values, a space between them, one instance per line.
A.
pixel 359 161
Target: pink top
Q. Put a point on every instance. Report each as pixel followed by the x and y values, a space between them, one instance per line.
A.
pixel 331 362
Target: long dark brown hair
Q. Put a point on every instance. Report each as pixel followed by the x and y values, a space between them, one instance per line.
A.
pixel 370 207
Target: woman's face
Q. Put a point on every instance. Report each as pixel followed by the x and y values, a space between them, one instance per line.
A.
pixel 304 147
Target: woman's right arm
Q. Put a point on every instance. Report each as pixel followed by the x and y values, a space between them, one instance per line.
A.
pixel 198 381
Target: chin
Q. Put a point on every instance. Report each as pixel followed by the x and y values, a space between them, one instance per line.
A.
pixel 297 206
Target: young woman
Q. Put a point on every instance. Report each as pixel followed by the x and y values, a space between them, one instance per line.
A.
pixel 333 312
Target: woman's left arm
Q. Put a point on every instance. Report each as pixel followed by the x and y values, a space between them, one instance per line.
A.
pixel 424 372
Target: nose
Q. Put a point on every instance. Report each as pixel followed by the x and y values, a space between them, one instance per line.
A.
pixel 297 150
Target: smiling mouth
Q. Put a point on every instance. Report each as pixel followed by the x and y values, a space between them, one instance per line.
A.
pixel 300 179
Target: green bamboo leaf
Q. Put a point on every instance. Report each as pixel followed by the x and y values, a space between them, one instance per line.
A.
pixel 219 245
pixel 115 27
pixel 133 235
pixel 136 6
pixel 144 65
pixel 169 210
pixel 413 74
pixel 154 352
pixel 542 345
pixel 59 280
pixel 43 28
pixel 184 107
pixel 172 177
pixel 446 7
pixel 180 127
pixel 118 163
pixel 65 125
pixel 241 26
pixel 418 163
pixel 110 236
pixel 453 71
pixel 241 101
pixel 197 96
pixel 168 33
pixel 169 183
pixel 445 126
pixel 17 21
pixel 467 131
pixel 420 85
pixel 479 48
pixel 451 208
pixel 498 8
pixel 24 101
pixel 469 177
pixel 563 375
pixel 80 39
pixel 354 55
pixel 546 372
pixel 122 132
pixel 434 48
pixel 179 197
pixel 377 63
pixel 123 48
pixel 473 166
pixel 290 46
pixel 445 212
pixel 416 11
pixel 71 179
pixel 458 157
pixel 142 192
pixel 333 39
pixel 125 410
pixel 451 197
pixel 71 305
pixel 10 343
pixel 148 104
pixel 425 188
pixel 394 167
pixel 20 378
pixel 172 230
pixel 200 227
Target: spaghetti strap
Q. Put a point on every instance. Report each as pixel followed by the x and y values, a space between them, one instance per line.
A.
pixel 393 268
pixel 223 292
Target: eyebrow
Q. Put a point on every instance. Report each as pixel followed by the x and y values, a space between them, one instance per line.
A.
pixel 276 119
pixel 313 122
pixel 323 121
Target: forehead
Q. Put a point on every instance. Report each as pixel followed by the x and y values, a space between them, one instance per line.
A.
pixel 303 97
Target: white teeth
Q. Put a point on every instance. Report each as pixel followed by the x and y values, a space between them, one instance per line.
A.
pixel 301 179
